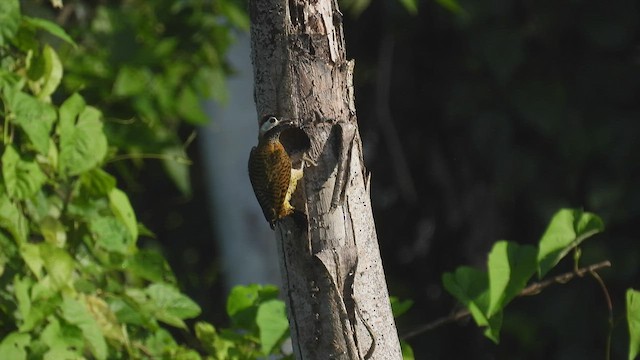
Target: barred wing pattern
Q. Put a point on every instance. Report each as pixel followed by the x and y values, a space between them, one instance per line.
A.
pixel 270 174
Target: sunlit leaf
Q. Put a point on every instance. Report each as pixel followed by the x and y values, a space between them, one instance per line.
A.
pixel 13 346
pixel 111 234
pixel 31 255
pixel 21 289
pixel 105 317
pixel 172 306
pixel 12 219
pixel 22 178
pixel 59 265
pixel 206 334
pixel 9 20
pixel 84 145
pixel 151 265
pixel 399 307
pixel 633 320
pixel 98 182
pixel 64 341
pixel 567 229
pixel 52 73
pixel 76 313
pixel 34 117
pixel 50 27
pixel 471 287
pixel 272 322
pixel 510 267
pixel 121 207
pixel 407 351
pixel 243 301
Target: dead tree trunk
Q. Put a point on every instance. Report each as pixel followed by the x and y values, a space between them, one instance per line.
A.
pixel 333 280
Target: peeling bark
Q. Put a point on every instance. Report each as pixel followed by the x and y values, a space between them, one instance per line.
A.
pixel 333 279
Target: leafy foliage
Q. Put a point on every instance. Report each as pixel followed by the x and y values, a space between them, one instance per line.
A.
pixel 150 84
pixel 73 281
pixel 511 266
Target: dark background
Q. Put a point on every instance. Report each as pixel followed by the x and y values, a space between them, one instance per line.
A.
pixel 477 127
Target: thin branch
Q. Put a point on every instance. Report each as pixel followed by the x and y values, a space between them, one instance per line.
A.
pixel 607 297
pixel 178 159
pixel 530 290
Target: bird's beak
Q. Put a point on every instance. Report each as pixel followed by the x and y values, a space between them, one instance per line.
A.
pixel 287 123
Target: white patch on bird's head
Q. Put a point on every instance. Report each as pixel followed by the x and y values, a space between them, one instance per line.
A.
pixel 269 124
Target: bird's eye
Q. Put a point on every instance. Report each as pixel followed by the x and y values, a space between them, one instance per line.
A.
pixel 272 120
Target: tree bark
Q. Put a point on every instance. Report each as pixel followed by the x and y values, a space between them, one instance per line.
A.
pixel 333 279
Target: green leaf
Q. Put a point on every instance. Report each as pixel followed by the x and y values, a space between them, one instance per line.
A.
pixel 243 301
pixel 52 73
pixel 33 116
pixel 510 267
pixel 12 219
pixel 123 211
pixel 8 251
pixel 567 229
pixel 76 313
pixel 84 145
pixel 33 308
pixel 21 287
pixel 633 319
pixel 407 351
pixel 206 334
pixel 64 341
pixel 151 265
pixel 105 318
pixel 68 111
pixel 410 5
pixel 111 235
pixel 59 265
pixel 126 313
pixel 159 342
pixel 22 178
pixel 12 346
pixel 31 255
pixel 132 81
pixel 53 231
pixel 356 7
pixel 399 307
pixel 98 182
pixel 50 27
pixel 451 5
pixel 177 169
pixel 471 287
pixel 9 22
pixel 171 306
pixel 273 325
pixel 189 107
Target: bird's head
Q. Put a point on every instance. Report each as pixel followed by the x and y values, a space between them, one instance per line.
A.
pixel 272 122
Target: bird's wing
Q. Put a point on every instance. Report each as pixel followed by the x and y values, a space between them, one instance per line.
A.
pixel 269 172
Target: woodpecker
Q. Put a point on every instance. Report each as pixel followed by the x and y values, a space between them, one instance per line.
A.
pixel 271 172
